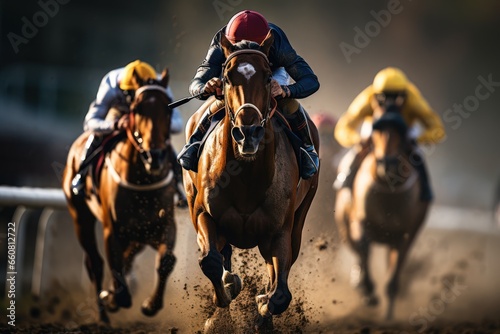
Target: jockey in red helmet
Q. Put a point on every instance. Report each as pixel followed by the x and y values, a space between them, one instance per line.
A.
pixel 286 65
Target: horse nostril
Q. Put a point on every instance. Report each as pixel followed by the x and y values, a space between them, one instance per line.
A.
pixel 238 134
pixel 258 133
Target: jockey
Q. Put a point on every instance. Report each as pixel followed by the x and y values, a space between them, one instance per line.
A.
pixel 109 112
pixel 390 87
pixel 286 63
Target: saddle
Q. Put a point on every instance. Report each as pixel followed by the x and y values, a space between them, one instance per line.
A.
pixel 108 144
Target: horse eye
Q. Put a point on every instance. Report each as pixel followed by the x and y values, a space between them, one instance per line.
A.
pixel 269 79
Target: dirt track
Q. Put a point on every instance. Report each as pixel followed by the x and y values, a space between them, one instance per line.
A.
pixel 449 285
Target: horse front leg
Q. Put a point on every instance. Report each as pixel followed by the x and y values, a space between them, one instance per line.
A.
pixel 278 256
pixel 85 231
pixel 226 285
pixel 165 262
pixel 360 275
pixel 120 296
pixel 397 256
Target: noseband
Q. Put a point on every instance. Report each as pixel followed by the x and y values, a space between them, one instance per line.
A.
pixel 272 109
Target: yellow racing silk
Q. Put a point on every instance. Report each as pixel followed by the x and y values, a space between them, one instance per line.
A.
pixel 415 110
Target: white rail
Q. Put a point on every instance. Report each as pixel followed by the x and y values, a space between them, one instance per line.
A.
pixel 33 197
pixel 23 198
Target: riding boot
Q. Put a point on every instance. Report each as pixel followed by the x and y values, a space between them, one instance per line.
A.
pixel 417 161
pixel 88 155
pixel 179 186
pixel 308 155
pixel 189 155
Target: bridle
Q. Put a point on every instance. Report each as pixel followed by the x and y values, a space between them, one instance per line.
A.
pixel 137 141
pixel 271 109
pixel 132 134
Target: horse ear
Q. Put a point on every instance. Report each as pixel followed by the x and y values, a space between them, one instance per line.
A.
pixel 165 76
pixel 226 45
pixel 137 79
pixel 266 44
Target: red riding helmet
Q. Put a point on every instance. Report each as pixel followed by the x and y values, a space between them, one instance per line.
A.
pixel 247 25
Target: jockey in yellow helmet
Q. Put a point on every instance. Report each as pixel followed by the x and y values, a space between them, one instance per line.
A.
pixel 390 86
pixel 109 112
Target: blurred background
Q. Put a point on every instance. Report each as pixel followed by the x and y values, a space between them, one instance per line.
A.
pixel 52 59
pixel 53 54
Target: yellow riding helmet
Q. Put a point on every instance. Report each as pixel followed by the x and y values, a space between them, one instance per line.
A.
pixel 390 79
pixel 143 70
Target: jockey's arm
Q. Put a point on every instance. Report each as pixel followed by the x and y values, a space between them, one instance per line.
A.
pixel 211 67
pixel 347 129
pixel 433 126
pixel 305 81
pixel 95 120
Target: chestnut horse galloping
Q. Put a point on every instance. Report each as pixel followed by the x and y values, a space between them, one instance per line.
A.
pixel 133 200
pixel 384 206
pixel 247 191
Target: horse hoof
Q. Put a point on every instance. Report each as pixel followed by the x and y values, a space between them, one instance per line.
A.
pixel 262 305
pixel 104 319
pixel 108 301
pixel 264 325
pixel 370 301
pixel 123 299
pixel 149 308
pixel 209 326
pixel 232 284
pixel 220 322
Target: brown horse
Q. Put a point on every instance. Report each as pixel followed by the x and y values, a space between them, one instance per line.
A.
pixel 384 205
pixel 247 192
pixel 133 200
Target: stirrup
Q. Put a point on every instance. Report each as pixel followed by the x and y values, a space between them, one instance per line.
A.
pixel 310 162
pixel 77 185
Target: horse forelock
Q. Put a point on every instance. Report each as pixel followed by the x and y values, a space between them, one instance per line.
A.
pixel 244 44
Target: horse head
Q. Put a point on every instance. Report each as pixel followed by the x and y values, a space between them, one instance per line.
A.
pixel 149 127
pixel 247 92
pixel 389 138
